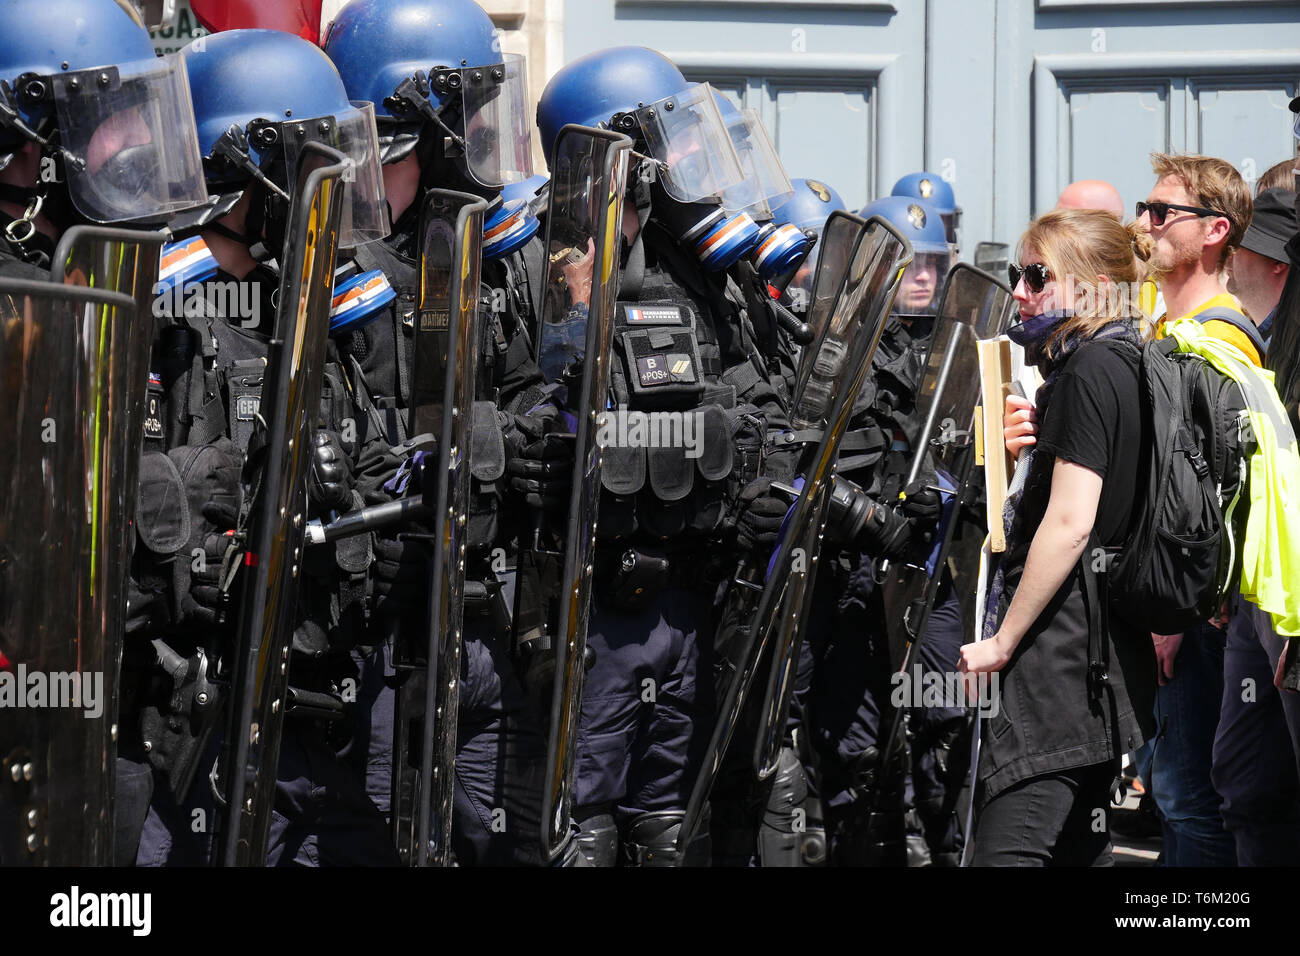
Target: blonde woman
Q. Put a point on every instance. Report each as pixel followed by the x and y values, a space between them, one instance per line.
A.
pixel 1050 752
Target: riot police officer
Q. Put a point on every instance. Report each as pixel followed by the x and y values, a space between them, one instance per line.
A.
pixel 94 129
pixel 75 149
pixel 936 192
pixel 848 701
pixel 451 111
pixel 669 523
pixel 261 97
pixel 807 210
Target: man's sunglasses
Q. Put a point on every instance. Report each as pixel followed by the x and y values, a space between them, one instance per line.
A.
pixel 1160 210
pixel 1036 276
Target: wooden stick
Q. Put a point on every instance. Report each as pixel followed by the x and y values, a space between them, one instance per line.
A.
pixel 995 385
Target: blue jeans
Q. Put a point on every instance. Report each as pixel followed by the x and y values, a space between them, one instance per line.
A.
pixel 1187 713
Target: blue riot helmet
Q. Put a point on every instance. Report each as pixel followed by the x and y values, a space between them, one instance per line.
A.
pixel 259 97
pixel 809 206
pixel 436 66
pixel 639 92
pixel 803 214
pixel 514 221
pixel 684 148
pixel 84 102
pixel 936 192
pixel 922 225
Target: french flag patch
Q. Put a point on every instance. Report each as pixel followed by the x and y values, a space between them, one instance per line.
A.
pixel 358 300
pixel 183 262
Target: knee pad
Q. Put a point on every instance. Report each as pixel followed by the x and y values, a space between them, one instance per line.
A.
pixel 918 850
pixel 813 847
pixel 785 816
pixel 652 841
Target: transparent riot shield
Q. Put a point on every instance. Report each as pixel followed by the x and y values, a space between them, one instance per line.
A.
pixel 443 381
pixel 268 592
pixel 67 394
pixel 553 589
pixel 975 306
pixel 857 277
pixel 126 261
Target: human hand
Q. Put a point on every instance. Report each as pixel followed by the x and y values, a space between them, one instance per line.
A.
pixel 1167 646
pixel 1019 424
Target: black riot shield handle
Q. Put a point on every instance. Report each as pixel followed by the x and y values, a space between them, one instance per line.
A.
pixel 268 598
pixel 857 277
pixel 583 233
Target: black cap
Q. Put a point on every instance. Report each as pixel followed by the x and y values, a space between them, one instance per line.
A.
pixel 1295 105
pixel 1272 225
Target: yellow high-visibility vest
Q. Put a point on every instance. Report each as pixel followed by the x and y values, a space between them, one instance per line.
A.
pixel 1270 550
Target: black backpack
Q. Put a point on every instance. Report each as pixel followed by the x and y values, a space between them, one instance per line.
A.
pixel 1180 555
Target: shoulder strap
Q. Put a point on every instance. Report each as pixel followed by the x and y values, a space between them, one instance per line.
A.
pixel 1237 320
pixel 1097 599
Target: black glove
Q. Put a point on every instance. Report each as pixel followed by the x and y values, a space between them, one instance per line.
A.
pixel 401 577
pixel 758 516
pixel 204 598
pixel 542 471
pixel 922 502
pixel 886 532
pixel 330 486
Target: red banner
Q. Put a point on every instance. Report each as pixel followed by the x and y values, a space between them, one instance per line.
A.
pixel 301 17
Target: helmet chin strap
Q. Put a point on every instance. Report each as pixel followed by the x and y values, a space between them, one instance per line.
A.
pixel 256 222
pixel 38 200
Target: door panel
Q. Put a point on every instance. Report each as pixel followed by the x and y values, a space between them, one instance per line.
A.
pixel 1009 100
pixel 1112 132
pixel 1248 125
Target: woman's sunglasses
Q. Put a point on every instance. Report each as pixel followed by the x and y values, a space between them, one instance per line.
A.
pixel 1160 210
pixel 1036 276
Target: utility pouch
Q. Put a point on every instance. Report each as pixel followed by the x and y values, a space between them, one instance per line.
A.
pixel 660 356
pixel 641 576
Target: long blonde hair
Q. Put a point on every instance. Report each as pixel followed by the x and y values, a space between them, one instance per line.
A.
pixel 1084 245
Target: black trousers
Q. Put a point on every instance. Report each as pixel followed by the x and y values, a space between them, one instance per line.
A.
pixel 1057 819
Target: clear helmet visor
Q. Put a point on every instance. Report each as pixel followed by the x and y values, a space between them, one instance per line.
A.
pixel 951 223
pixel 766 183
pixel 352 133
pixel 921 288
pixel 689 142
pixel 797 291
pixel 132 151
pixel 498 133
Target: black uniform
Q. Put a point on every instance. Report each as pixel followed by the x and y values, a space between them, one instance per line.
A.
pixel 500 749
pixel 205 388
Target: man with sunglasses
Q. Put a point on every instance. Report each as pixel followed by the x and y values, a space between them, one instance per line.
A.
pixel 1197 214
